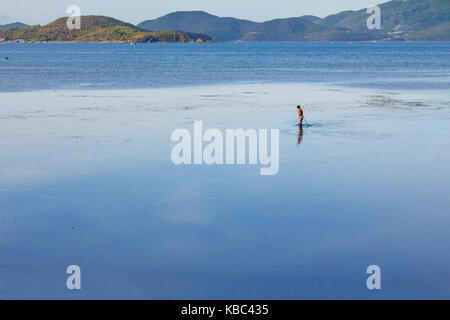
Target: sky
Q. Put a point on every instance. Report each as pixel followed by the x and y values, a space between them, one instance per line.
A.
pixel 135 11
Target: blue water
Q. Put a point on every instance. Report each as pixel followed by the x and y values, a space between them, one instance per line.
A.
pixel 106 66
pixel 86 176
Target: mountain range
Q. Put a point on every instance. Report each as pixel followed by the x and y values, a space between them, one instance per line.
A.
pixel 401 20
pixel 411 20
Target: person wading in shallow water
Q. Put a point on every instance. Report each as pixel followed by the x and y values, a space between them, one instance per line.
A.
pixel 300 116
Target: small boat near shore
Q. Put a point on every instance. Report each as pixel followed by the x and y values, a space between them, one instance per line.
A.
pixel 5 58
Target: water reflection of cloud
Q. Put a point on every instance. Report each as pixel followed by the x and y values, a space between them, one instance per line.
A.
pixel 186 203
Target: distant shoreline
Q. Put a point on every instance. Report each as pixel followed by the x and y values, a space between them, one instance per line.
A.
pixel 215 42
pixel 106 42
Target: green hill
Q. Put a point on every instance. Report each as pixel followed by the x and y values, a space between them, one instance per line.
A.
pixel 97 29
pixel 410 20
pixel 220 29
pixel 293 29
pixel 401 20
pixel 298 29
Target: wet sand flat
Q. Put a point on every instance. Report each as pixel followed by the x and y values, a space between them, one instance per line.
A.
pixel 87 179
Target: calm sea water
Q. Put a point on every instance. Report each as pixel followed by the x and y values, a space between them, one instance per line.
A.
pixel 106 66
pixel 86 176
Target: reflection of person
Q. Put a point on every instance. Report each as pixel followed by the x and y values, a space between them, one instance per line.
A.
pixel 300 116
pixel 300 134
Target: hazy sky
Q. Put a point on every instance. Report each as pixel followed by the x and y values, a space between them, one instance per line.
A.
pixel 135 11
